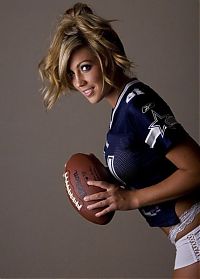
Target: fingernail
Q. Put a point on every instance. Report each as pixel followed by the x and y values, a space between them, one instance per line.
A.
pixel 85 198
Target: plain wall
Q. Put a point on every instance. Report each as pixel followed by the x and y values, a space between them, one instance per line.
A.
pixel 41 234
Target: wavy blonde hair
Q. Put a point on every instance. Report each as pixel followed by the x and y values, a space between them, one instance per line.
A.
pixel 79 27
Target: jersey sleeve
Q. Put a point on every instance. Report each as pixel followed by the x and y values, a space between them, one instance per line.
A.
pixel 153 122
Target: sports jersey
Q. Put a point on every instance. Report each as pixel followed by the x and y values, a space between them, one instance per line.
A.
pixel 142 130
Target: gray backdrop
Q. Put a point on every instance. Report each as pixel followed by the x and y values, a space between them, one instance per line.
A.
pixel 41 235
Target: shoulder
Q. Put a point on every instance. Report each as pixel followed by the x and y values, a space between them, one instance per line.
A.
pixel 142 94
pixel 152 118
pixel 142 102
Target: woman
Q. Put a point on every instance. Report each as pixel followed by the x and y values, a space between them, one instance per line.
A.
pixel 155 161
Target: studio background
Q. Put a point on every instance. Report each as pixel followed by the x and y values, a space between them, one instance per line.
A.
pixel 40 233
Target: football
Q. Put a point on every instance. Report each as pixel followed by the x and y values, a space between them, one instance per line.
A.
pixel 78 170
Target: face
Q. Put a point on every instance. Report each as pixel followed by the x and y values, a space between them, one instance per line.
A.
pixel 86 74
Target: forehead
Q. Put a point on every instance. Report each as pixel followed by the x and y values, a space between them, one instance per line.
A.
pixel 80 55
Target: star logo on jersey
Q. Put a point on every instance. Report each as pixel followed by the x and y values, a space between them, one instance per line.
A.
pixel 158 127
pixel 159 122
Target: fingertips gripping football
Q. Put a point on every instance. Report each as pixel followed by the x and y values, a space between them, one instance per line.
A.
pixel 78 170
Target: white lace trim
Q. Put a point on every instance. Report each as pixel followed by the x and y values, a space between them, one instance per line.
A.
pixel 185 219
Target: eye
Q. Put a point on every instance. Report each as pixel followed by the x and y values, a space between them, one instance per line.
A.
pixel 86 67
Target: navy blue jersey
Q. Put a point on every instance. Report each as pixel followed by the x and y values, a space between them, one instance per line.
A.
pixel 142 130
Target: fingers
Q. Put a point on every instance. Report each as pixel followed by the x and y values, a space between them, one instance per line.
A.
pixel 97 196
pixel 106 208
pixel 102 203
pixel 105 211
pixel 101 184
pixel 104 198
pixel 100 195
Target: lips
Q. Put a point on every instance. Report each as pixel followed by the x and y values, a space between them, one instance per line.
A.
pixel 88 92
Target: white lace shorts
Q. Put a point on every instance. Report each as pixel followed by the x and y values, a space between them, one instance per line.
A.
pixel 187 247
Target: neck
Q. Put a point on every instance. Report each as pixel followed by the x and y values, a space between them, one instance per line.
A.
pixel 114 92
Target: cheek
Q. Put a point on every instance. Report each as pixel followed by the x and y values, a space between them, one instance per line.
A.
pixel 98 78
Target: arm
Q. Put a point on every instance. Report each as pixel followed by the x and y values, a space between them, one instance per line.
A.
pixel 186 156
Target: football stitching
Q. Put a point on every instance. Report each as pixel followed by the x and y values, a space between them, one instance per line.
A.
pixel 69 191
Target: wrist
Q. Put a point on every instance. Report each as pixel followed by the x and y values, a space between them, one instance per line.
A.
pixel 135 204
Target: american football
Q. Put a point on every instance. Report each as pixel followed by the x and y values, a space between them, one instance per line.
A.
pixel 78 170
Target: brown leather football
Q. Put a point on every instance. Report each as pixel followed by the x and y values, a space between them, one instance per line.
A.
pixel 78 170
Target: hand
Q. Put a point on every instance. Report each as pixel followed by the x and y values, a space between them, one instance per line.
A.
pixel 114 198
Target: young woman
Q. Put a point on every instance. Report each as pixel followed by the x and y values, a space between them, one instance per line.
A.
pixel 155 161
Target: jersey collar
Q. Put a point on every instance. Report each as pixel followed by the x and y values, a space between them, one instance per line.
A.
pixel 121 97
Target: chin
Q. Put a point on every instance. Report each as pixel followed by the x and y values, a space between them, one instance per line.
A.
pixel 94 100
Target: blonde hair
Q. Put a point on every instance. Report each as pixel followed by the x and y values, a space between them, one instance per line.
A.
pixel 79 27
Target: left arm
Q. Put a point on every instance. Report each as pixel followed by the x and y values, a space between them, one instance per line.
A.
pixel 186 179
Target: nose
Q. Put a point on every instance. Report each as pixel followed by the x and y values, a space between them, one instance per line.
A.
pixel 79 80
